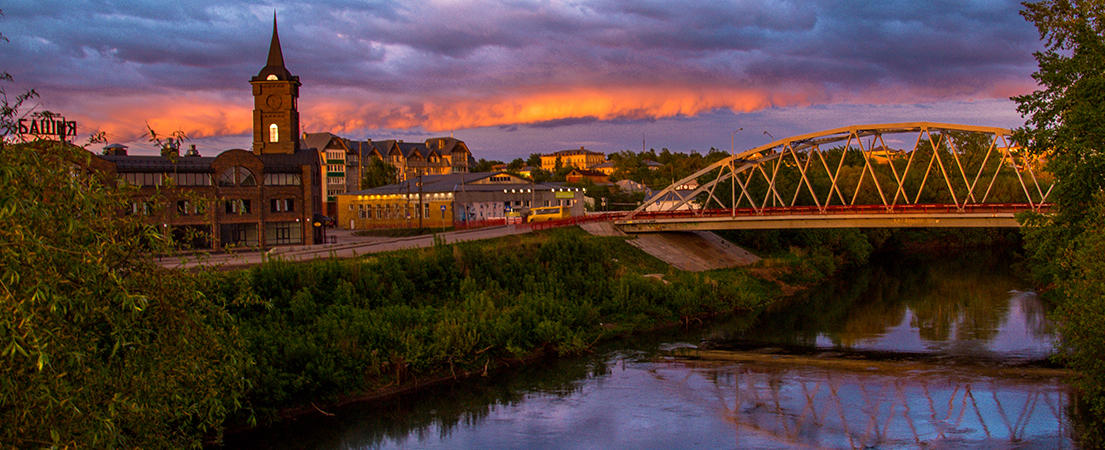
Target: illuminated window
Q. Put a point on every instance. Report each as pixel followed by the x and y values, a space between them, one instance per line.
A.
pixel 274 133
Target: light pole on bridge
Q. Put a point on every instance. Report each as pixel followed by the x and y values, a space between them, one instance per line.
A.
pixel 733 142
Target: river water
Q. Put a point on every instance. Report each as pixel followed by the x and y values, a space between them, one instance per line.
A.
pixel 933 351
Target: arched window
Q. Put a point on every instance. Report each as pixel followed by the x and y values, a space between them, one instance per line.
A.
pixel 274 133
pixel 237 176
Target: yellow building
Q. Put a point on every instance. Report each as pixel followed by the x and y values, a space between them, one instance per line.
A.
pixel 580 159
pixel 447 200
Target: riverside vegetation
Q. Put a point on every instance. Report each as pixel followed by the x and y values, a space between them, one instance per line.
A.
pixel 338 329
pixel 103 348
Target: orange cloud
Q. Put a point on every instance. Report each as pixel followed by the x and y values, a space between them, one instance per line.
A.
pixel 351 110
pixel 340 113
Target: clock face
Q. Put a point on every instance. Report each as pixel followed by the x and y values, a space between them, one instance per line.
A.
pixel 273 101
pixel 272 77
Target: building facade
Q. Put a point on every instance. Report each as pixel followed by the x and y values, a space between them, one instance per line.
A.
pixel 257 198
pixel 435 156
pixel 451 200
pixel 579 158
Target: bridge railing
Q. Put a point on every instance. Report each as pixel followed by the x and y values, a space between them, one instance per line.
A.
pixel 575 220
pixel 845 209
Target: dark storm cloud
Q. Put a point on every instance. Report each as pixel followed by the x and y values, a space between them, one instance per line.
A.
pixel 352 43
pixel 403 55
pixel 556 123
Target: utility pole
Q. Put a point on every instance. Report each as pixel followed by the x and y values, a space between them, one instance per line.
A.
pixel 421 210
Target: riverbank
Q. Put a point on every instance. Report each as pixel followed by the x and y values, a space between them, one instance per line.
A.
pixel 331 332
pixel 750 371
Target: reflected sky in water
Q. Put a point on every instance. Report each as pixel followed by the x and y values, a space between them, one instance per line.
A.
pixel 636 395
pixel 1020 335
pixel 648 402
pixel 959 305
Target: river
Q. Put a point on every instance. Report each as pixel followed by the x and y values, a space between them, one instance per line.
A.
pixel 935 351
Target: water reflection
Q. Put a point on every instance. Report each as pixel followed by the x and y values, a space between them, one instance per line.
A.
pixel 639 394
pixel 967 304
pixel 639 400
pixel 804 407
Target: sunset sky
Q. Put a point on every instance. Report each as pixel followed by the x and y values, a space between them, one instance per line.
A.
pixel 518 77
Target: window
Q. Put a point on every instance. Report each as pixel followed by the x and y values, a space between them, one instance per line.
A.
pixel 190 179
pixel 237 176
pixel 182 207
pixel 281 205
pixel 283 233
pixel 136 207
pixel 274 133
pixel 239 206
pixel 143 179
pixel 282 179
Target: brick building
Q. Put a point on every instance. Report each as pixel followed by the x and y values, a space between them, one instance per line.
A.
pixel 261 198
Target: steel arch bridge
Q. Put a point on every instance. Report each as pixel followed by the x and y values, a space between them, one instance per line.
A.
pixel 948 176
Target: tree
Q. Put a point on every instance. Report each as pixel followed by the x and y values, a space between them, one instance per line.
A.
pixel 1064 125
pixel 378 173
pixel 534 160
pixel 100 346
pixel 484 165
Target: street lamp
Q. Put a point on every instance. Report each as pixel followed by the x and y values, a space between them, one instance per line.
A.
pixel 769 135
pixel 733 142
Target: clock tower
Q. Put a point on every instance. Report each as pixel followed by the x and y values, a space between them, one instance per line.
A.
pixel 275 104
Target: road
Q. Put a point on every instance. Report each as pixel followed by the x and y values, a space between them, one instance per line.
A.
pixel 347 246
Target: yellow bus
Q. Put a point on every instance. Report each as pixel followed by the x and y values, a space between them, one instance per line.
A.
pixel 547 213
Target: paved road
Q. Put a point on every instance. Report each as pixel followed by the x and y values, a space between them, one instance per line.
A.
pixel 347 246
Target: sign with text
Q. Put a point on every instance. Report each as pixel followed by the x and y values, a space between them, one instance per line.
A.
pixel 562 194
pixel 45 127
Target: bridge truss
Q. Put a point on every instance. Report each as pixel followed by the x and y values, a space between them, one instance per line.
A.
pixel 938 175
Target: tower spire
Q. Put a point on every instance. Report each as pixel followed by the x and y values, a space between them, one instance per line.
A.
pixel 275 63
pixel 276 56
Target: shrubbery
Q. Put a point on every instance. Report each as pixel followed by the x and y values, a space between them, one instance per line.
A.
pixel 329 329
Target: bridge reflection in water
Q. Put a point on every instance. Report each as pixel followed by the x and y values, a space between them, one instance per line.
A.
pixel 871 404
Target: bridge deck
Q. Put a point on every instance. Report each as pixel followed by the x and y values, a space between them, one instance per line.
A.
pixel 875 216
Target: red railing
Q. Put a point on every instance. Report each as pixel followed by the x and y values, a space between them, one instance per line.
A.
pixel 473 224
pixel 576 220
pixel 846 209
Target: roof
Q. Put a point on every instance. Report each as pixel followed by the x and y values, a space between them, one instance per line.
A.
pixel 673 196
pixel 317 141
pixel 607 164
pixel 275 63
pixel 587 173
pixel 202 164
pixel 574 151
pixel 293 163
pixel 159 163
